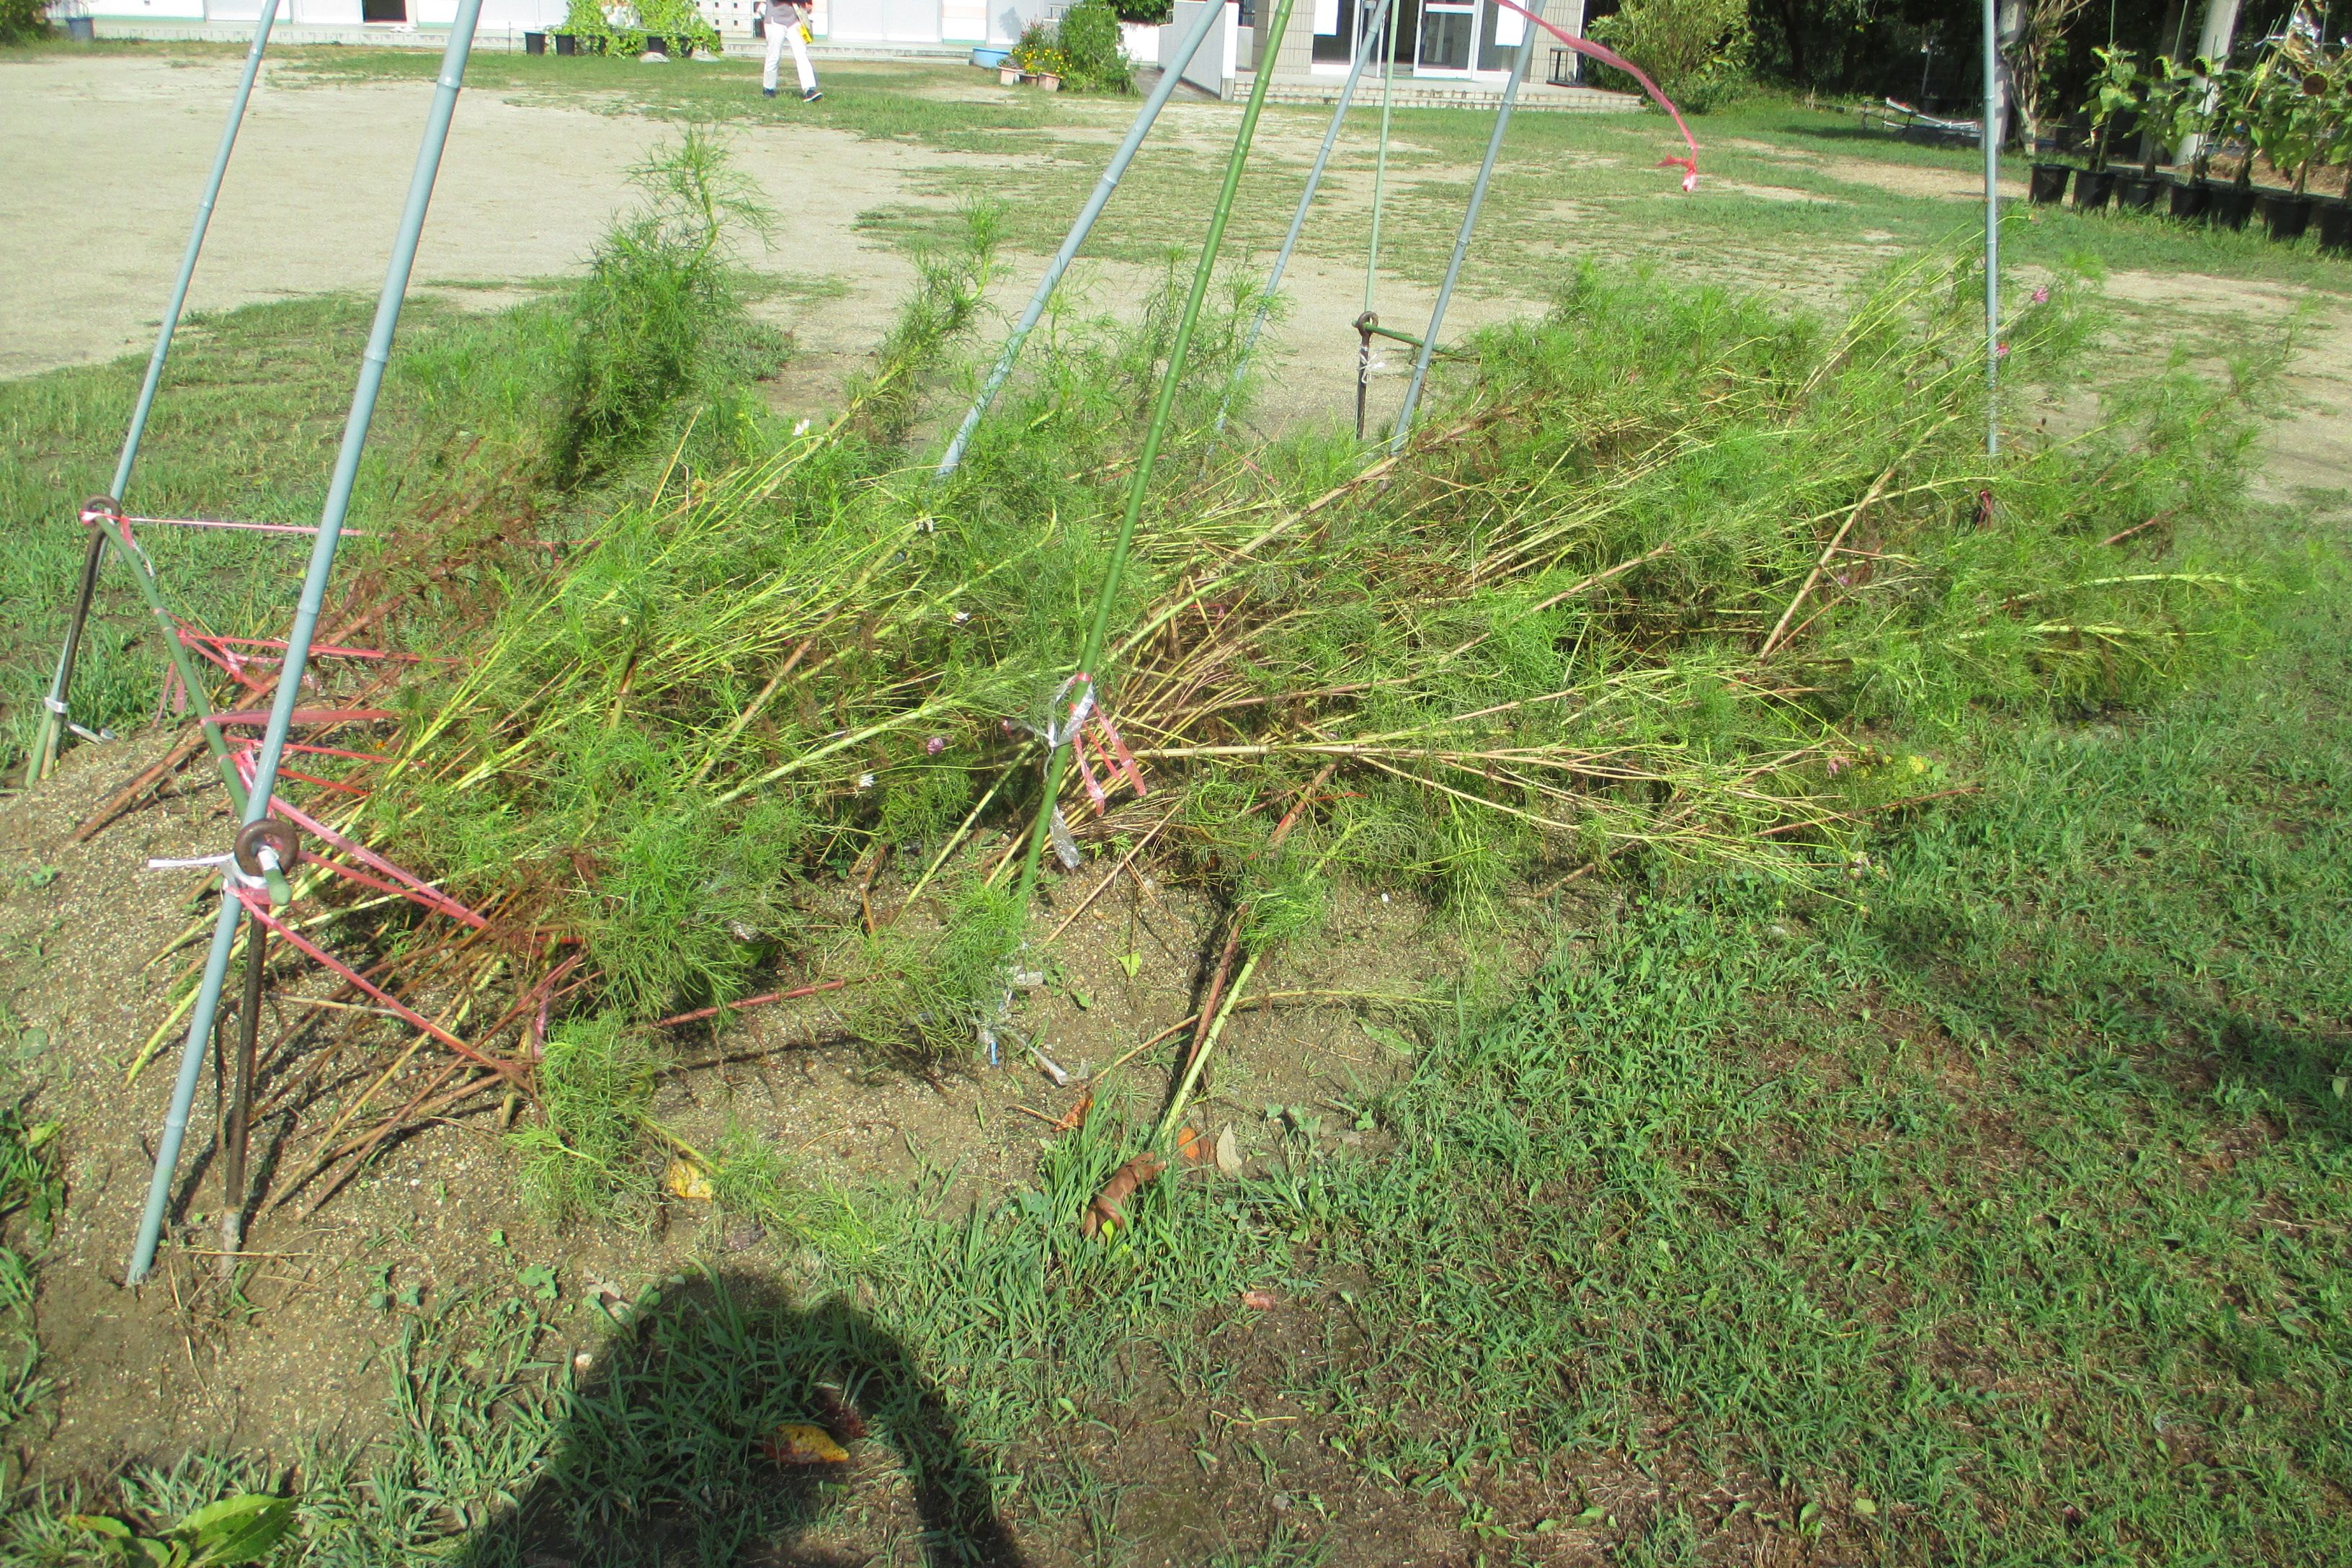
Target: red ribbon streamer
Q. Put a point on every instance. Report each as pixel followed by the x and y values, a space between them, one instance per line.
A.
pixel 1618 62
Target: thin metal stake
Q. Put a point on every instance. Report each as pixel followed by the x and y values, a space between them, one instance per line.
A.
pixel 1469 221
pixel 1991 138
pixel 1179 350
pixel 236 1125
pixel 1170 74
pixel 1306 200
pixel 53 716
pixel 307 611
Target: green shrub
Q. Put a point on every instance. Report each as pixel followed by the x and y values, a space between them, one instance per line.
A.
pixel 586 1157
pixel 1147 13
pixel 1695 50
pixel 1088 36
pixel 22 20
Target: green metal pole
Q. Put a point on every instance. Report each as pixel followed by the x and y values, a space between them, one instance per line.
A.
pixel 1374 25
pixel 1469 221
pixel 306 614
pixel 53 714
pixel 1381 160
pixel 1162 408
pixel 1170 73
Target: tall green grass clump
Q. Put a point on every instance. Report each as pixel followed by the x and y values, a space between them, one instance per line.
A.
pixel 660 320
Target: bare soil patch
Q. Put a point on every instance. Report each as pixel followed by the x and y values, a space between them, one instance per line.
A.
pixel 296 1347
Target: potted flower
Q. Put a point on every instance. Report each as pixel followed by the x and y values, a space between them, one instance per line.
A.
pixel 2199 124
pixel 2045 184
pixel 677 29
pixel 2334 214
pixel 1040 56
pixel 585 29
pixel 2289 125
pixel 2166 102
pixel 2113 91
pixel 2229 205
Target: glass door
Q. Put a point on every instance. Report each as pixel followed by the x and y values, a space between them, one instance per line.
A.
pixel 1449 29
pixel 1500 34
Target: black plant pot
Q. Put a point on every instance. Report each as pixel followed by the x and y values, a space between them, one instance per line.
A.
pixel 2230 207
pixel 2048 184
pixel 2285 215
pixel 2336 225
pixel 2191 198
pixel 534 43
pixel 2092 189
pixel 2138 193
pixel 566 42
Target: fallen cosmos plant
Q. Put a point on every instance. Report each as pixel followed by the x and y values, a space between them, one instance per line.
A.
pixel 1589 611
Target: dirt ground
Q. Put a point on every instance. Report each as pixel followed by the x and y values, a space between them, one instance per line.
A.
pixel 119 147
pixel 182 1363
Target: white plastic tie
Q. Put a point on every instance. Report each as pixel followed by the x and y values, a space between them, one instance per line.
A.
pixel 1063 733
pixel 231 872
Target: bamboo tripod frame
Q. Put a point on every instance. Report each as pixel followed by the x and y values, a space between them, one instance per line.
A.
pixel 256 805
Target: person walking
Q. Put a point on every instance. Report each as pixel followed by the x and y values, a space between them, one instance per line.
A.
pixel 785 20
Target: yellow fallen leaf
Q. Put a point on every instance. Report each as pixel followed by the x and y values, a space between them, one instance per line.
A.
pixel 800 1443
pixel 688 1180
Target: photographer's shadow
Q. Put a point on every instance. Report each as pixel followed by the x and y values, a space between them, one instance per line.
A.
pixel 670 1450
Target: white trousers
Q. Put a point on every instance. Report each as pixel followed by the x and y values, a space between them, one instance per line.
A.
pixel 779 35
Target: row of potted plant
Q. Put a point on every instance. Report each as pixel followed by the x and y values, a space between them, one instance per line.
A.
pixel 672 28
pixel 1081 51
pixel 2291 109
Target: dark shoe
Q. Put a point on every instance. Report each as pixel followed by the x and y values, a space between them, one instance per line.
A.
pixel 767 92
pixel 811 96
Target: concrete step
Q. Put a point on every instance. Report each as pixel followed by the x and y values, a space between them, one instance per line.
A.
pixel 737 39
pixel 1540 96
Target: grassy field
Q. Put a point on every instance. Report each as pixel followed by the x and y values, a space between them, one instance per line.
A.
pixel 1990 1205
pixel 1790 185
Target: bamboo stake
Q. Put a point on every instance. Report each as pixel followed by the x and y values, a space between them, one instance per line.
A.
pixel 1240 913
pixel 1178 351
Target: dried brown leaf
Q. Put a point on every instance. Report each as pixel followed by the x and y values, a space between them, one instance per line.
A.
pixel 1105 1209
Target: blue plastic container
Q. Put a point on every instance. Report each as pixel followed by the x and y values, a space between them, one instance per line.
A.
pixel 989 59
